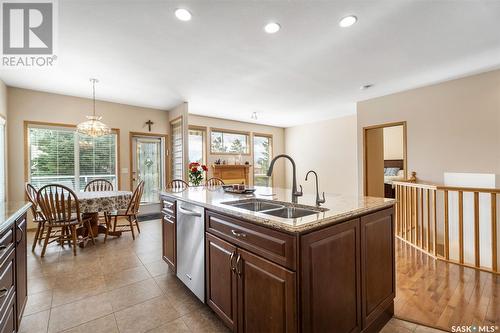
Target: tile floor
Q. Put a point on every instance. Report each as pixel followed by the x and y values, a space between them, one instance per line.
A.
pixel 120 286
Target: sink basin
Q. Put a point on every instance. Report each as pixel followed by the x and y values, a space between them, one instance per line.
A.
pixel 291 212
pixel 278 209
pixel 255 206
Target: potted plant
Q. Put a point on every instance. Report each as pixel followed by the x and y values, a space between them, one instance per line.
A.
pixel 196 173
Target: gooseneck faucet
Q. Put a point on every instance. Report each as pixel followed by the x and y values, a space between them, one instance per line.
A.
pixel 295 193
pixel 318 200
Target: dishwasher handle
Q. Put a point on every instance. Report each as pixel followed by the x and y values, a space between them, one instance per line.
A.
pixel 188 212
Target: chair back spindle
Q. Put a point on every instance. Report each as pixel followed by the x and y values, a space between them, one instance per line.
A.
pixel 99 185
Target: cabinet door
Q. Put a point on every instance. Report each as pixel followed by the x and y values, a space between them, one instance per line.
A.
pixel 330 279
pixel 221 279
pixel 378 264
pixel 266 295
pixel 21 267
pixel 169 240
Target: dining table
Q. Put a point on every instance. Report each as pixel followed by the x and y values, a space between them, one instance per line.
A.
pixel 93 203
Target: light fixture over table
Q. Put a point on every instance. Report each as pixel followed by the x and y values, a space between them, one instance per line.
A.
pixel 93 126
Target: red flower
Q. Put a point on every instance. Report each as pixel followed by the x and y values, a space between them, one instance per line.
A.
pixel 193 170
pixel 204 167
pixel 193 164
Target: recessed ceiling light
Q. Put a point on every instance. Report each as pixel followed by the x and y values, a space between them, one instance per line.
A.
pixel 272 28
pixel 366 86
pixel 183 14
pixel 347 21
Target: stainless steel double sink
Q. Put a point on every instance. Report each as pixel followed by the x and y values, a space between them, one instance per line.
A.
pixel 278 209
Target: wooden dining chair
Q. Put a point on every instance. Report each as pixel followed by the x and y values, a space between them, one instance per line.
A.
pixel 129 214
pixel 177 184
pixel 98 185
pixel 214 181
pixel 38 218
pixel 61 210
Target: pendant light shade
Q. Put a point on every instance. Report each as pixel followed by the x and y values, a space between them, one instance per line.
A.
pixel 93 126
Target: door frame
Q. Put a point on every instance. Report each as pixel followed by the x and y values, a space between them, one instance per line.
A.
pixel 405 150
pixel 131 136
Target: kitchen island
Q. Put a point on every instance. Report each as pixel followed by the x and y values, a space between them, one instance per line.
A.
pixel 331 270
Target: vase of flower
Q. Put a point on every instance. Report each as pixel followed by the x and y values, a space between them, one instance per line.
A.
pixel 196 171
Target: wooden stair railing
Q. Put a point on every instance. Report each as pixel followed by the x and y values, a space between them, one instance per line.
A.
pixel 423 220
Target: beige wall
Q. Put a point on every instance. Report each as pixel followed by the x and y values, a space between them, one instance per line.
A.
pixel 393 143
pixel 278 134
pixel 329 148
pixel 46 107
pixel 453 126
pixel 3 99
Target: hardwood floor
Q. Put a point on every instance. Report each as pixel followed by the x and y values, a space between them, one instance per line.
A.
pixel 440 294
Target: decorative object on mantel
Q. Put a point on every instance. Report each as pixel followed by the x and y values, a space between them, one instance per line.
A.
pixel 149 123
pixel 196 173
pixel 232 173
pixel 218 161
pixel 238 189
pixel 93 126
pixel 413 177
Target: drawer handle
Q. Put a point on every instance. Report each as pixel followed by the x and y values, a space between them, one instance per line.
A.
pixel 3 292
pixel 238 265
pixel 189 276
pixel 238 234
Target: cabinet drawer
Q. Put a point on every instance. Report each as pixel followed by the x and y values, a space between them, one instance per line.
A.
pixel 7 279
pixel 6 244
pixel 168 206
pixel 7 315
pixel 271 244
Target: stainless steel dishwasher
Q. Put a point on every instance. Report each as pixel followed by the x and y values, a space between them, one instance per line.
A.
pixel 191 247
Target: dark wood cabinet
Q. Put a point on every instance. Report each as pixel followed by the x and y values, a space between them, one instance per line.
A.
pixel 266 295
pixel 221 279
pixel 331 279
pixel 378 266
pixel 21 267
pixel 169 232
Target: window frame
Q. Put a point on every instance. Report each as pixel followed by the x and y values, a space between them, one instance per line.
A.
pixel 270 137
pixel 220 130
pixel 50 125
pixel 204 130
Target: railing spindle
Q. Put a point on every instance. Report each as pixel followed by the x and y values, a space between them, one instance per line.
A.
pixel 446 227
pixel 494 232
pixel 461 227
pixel 427 202
pixel 477 251
pixel 422 217
pixel 434 210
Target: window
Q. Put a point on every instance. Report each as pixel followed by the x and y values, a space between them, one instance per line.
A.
pixel 177 147
pixel 62 156
pixel 228 142
pixel 262 155
pixel 197 138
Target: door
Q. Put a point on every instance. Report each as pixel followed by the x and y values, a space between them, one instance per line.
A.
pixel 374 162
pixel 21 267
pixel 266 295
pixel 148 164
pixel 331 280
pixel 221 279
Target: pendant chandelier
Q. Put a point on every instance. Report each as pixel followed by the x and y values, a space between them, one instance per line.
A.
pixel 93 126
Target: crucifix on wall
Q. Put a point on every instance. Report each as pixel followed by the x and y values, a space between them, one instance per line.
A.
pixel 149 123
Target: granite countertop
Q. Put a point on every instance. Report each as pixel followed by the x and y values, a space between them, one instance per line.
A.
pixel 339 207
pixel 10 211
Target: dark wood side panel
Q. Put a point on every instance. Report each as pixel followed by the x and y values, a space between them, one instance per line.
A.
pixel 271 244
pixel 331 279
pixel 377 264
pixel 221 279
pixel 266 296
pixel 169 228
pixel 21 267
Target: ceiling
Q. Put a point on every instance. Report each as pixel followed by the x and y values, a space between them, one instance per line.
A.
pixel 225 66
